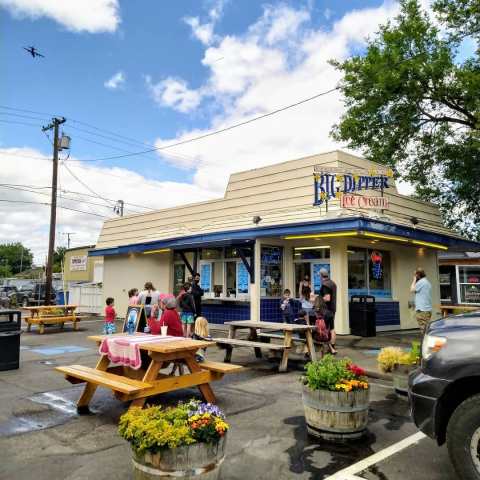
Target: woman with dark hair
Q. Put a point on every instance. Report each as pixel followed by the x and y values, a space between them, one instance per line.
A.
pixel 305 288
pixel 148 298
pixel 133 296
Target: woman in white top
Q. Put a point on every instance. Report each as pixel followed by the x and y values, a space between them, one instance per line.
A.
pixel 148 297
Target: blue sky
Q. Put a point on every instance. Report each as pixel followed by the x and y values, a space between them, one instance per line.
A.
pixel 151 39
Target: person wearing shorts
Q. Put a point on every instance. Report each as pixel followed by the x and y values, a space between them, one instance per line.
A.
pixel 187 306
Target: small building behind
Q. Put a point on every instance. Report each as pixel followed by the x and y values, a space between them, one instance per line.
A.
pixel 459 278
pixel 79 267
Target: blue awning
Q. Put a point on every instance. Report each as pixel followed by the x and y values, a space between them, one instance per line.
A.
pixel 247 236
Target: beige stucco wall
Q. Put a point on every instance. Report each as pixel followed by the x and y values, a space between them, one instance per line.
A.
pixel 121 273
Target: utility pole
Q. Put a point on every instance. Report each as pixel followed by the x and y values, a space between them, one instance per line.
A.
pixel 56 122
pixel 68 237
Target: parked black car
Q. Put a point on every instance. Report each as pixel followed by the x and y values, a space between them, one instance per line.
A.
pixel 445 391
pixel 34 294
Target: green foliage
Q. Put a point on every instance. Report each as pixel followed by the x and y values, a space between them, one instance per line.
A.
pixel 5 271
pixel 58 258
pixel 329 372
pixel 12 261
pixel 155 428
pixel 389 357
pixel 412 106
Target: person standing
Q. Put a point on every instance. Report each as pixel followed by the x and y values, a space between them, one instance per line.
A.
pixel 132 296
pixel 305 288
pixel 286 306
pixel 197 292
pixel 186 302
pixel 423 299
pixel 148 298
pixel 328 292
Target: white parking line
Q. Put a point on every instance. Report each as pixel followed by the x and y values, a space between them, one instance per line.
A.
pixel 349 472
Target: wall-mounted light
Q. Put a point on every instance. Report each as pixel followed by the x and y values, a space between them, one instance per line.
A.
pixel 256 219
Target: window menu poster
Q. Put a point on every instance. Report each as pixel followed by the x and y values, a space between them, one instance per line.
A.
pixel 316 277
pixel 243 278
pixel 206 277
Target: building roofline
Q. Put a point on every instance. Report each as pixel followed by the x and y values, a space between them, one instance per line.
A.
pixel 248 235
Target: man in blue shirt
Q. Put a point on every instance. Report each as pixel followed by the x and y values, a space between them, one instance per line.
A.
pixel 423 299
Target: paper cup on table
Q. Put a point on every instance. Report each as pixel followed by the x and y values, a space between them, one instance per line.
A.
pixel 163 330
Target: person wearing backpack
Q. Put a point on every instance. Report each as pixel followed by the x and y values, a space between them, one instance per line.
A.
pixel 324 323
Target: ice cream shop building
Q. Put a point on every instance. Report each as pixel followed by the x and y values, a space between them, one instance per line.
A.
pixel 275 225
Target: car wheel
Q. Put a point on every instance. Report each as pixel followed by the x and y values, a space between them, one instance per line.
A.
pixel 25 302
pixel 463 439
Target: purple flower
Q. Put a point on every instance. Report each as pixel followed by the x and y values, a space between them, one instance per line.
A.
pixel 197 408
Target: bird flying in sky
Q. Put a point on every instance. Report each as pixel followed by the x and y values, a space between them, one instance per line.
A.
pixel 33 51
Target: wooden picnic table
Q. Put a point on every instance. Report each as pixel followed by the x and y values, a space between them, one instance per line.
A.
pixel 465 308
pixel 48 314
pixel 138 385
pixel 287 328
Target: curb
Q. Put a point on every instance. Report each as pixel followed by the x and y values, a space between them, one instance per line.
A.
pixel 379 375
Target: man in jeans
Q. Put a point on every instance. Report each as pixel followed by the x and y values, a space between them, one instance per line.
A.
pixel 423 299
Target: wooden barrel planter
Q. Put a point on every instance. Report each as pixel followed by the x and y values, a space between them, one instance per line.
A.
pixel 199 461
pixel 336 416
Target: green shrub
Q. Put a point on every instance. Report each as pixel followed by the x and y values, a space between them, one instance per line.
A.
pixel 334 374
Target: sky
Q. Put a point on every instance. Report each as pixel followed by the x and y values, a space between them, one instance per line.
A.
pixel 128 76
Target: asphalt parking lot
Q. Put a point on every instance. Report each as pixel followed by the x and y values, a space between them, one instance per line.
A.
pixel 42 437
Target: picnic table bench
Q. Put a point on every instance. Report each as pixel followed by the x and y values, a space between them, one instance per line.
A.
pixel 253 339
pixel 139 385
pixel 51 314
pixel 464 308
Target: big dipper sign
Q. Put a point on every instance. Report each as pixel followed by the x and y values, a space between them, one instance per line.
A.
pixel 333 183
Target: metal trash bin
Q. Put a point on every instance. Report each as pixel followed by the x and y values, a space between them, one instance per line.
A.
pixel 10 330
pixel 363 316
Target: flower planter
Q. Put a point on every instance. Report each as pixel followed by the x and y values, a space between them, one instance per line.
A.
pixel 337 416
pixel 400 375
pixel 200 461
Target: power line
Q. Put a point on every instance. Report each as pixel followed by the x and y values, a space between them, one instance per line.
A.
pixel 209 134
pixel 64 190
pixel 15 122
pixel 85 185
pixel 49 204
pixel 59 196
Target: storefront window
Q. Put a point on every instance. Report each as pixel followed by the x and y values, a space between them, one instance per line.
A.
pixel 206 276
pixel 304 253
pixel 211 253
pixel 271 271
pixel 369 272
pixel 178 277
pixel 447 273
pixel 233 252
pixel 469 284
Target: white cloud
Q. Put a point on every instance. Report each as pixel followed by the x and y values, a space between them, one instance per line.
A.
pixel 205 31
pixel 28 223
pixel 174 93
pixel 201 31
pixel 116 81
pixel 278 60
pixel 91 16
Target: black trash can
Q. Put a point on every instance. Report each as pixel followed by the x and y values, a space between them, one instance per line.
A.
pixel 363 316
pixel 10 330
